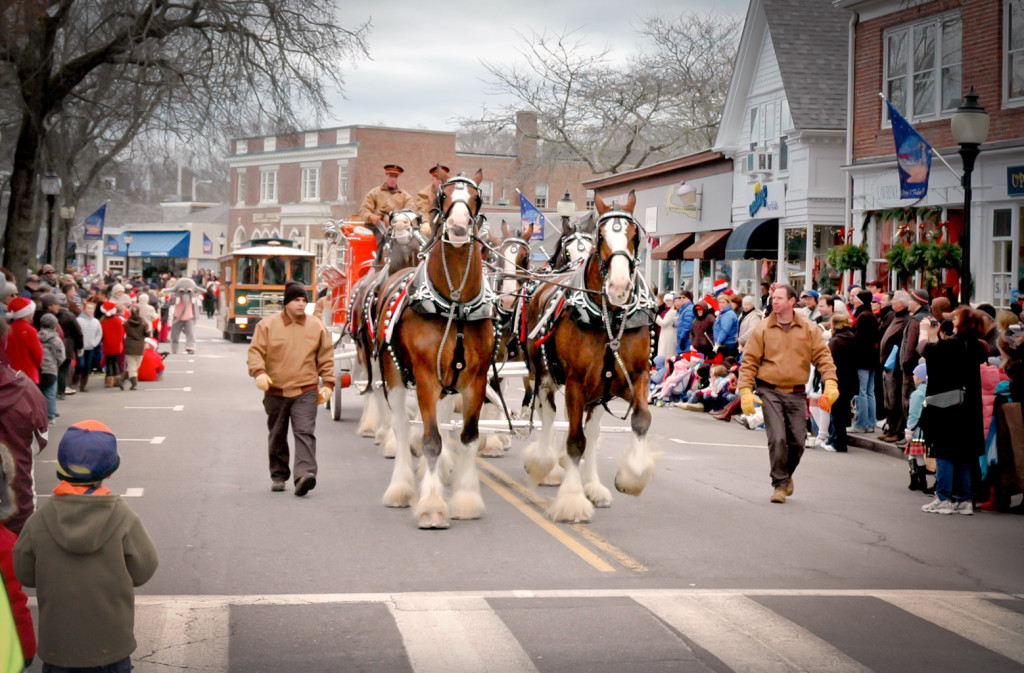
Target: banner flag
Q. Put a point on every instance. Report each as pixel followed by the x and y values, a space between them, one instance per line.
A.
pixel 112 246
pixel 94 224
pixel 530 215
pixel 913 156
pixel 207 245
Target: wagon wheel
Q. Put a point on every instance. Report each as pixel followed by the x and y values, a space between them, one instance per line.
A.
pixel 335 403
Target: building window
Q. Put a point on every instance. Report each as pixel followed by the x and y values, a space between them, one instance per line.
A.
pixel 1002 257
pixel 312 139
pixel 268 186
pixel 590 199
pixel 783 153
pixel 320 250
pixel 343 181
pixel 311 184
pixel 239 237
pixel 542 196
pixel 922 66
pixel 487 191
pixel 240 194
pixel 270 144
pixel 1014 49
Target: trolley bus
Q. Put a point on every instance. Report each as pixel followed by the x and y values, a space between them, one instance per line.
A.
pixel 252 281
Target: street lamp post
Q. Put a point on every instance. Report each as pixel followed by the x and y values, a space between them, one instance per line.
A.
pixel 127 254
pixel 969 125
pixel 50 184
pixel 67 215
pixel 565 208
pixel 222 239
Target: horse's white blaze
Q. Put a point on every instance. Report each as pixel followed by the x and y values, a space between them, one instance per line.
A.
pixel 401 229
pixel 459 217
pixel 508 285
pixel 401 492
pixel 618 271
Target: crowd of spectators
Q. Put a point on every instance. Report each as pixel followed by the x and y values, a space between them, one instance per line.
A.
pixel 942 383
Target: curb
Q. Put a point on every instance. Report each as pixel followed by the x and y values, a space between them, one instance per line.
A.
pixel 867 441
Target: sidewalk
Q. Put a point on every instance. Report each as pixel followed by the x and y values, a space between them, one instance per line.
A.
pixel 870 441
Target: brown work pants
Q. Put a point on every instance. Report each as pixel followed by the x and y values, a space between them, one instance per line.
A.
pixel 785 420
pixel 301 413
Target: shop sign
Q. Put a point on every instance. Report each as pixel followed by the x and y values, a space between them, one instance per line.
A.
pixel 1015 180
pixel 266 218
pixel 885 189
pixel 769 200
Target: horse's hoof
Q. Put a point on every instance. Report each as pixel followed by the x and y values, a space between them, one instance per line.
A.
pixel 554 477
pixel 491 447
pixel 598 494
pixel 433 521
pixel 466 505
pixel 399 495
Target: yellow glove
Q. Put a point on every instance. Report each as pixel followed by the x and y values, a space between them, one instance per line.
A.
pixel 747 401
pixel 829 397
pixel 263 382
pixel 324 394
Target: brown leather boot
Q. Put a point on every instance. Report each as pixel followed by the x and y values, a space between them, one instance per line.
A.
pixel 83 382
pixel 726 412
pixel 108 381
pixel 135 382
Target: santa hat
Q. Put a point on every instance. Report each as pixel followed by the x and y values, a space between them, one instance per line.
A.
pixel 151 342
pixel 20 307
pixel 109 308
pixel 711 302
pixel 721 285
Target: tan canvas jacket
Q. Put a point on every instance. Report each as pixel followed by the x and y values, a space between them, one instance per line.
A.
pixel 784 358
pixel 293 353
pixel 379 201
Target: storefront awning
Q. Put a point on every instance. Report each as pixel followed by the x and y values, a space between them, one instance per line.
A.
pixel 153 244
pixel 711 245
pixel 754 239
pixel 673 248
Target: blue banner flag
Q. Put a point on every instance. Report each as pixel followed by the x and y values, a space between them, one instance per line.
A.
pixel 530 215
pixel 94 224
pixel 913 156
pixel 207 245
pixel 112 246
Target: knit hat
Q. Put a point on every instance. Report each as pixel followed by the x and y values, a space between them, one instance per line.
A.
pixel 865 297
pixel 152 343
pixel 109 308
pixel 669 297
pixel 20 307
pixel 144 298
pixel 87 453
pixel 48 299
pixel 48 320
pixel 293 289
pixel 921 297
pixel 921 372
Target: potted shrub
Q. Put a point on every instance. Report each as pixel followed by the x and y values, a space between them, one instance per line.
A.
pixel 848 257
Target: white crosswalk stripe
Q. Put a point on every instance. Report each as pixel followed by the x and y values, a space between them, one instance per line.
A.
pixel 454 632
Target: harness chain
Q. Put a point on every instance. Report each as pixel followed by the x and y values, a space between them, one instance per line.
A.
pixel 612 349
pixel 458 358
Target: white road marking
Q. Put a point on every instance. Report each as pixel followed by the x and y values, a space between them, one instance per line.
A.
pixel 745 446
pixel 133 492
pixel 151 440
pixel 187 389
pixel 748 637
pixel 177 407
pixel 989 625
pixel 459 631
pixel 179 371
pixel 444 634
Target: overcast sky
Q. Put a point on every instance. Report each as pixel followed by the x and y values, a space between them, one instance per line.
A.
pixel 426 56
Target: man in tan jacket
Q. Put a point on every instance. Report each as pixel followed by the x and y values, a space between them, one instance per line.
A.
pixel 777 359
pixel 388 198
pixel 290 352
pixel 427 196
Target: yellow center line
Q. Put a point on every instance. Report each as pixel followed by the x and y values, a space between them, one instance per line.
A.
pixel 550 528
pixel 620 556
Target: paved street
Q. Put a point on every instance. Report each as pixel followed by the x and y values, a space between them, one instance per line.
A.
pixel 700 573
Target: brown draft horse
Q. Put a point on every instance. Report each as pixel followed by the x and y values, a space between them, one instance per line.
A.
pixel 598 347
pixel 437 331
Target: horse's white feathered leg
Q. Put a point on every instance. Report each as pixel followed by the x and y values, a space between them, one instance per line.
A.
pixel 401 492
pixel 596 492
pixel 636 466
pixel 539 457
pixel 571 504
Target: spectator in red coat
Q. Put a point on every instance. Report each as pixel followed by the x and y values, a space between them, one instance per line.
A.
pixel 152 363
pixel 16 595
pixel 24 348
pixel 113 344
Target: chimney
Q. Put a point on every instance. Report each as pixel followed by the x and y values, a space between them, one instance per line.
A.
pixel 526 137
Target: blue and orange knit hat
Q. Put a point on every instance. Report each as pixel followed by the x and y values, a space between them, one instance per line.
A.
pixel 87 453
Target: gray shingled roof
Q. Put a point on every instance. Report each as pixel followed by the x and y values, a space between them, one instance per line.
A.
pixel 810 41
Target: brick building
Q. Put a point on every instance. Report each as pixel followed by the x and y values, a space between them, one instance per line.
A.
pixel 925 56
pixel 288 185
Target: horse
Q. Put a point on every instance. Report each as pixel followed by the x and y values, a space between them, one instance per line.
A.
pixel 573 245
pixel 398 246
pixel 437 332
pixel 595 340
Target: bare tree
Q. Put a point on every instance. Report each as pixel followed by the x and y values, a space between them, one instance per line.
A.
pixel 189 67
pixel 615 117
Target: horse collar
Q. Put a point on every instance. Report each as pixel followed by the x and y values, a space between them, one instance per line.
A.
pixel 427 300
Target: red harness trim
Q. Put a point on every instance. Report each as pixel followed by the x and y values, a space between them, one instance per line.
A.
pixel 554 317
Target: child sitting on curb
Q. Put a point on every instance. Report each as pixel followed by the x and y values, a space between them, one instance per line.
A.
pixel 66 550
